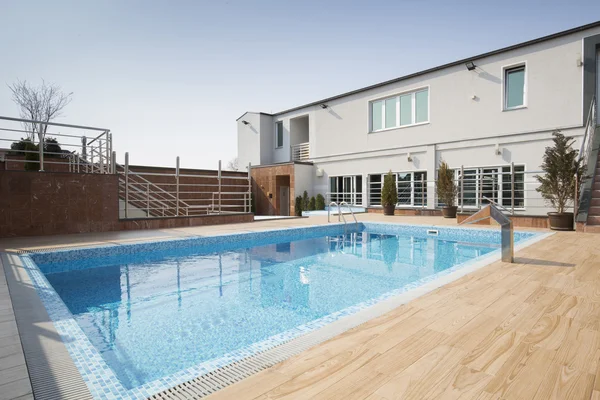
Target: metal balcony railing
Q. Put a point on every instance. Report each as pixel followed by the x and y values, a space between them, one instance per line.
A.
pixel 300 152
pixel 66 147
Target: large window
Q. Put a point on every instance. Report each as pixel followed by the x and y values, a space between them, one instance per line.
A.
pixel 491 184
pixel 279 134
pixel 412 189
pixel 346 188
pixel 403 110
pixel 514 87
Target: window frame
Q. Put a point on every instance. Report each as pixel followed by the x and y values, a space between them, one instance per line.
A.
pixel 412 93
pixel 505 70
pixel 412 184
pixel 478 188
pixel 354 195
pixel 276 136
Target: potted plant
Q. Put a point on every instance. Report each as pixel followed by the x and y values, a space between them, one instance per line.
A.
pixel 389 194
pixel 447 190
pixel 563 171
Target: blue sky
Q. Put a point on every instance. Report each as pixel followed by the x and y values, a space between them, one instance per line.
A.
pixel 169 78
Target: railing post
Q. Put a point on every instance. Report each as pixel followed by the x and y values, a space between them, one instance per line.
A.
pixel 177 185
pixel 575 196
pixel 479 188
pixel 41 146
pixel 462 188
pixel 512 188
pixel 148 200
pixel 113 162
pixel 422 192
pixel 126 184
pixel 108 152
pixel 219 178
pixel 100 152
pixel 249 188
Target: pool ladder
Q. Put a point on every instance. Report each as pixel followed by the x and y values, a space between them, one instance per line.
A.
pixel 506 228
pixel 340 215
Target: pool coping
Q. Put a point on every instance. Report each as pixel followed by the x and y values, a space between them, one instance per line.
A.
pixel 233 371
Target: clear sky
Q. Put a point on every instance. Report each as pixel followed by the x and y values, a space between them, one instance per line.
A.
pixel 170 77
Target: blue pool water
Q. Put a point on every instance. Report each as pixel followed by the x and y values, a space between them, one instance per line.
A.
pixel 153 313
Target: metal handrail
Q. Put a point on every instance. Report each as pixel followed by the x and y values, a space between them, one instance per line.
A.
pixel 340 215
pixel 500 206
pixel 351 212
pixel 506 227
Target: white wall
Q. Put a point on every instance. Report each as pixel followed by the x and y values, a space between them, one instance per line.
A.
pixel 461 130
pixel 303 179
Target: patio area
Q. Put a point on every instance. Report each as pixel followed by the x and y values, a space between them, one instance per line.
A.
pixel 515 331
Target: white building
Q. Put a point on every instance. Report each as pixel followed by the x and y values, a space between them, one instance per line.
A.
pixel 483 114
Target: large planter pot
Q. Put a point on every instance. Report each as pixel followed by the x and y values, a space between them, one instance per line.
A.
pixel 561 221
pixel 389 209
pixel 449 212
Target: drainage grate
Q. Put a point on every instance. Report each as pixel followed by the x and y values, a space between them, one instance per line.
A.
pixel 235 372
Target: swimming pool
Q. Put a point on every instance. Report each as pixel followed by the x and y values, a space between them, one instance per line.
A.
pixel 140 318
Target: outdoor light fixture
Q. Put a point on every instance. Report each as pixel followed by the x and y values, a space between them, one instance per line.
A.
pixel 245 122
pixel 497 149
pixel 409 157
pixel 324 106
pixel 470 65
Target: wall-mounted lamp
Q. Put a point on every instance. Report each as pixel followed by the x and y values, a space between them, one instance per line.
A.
pixel 409 157
pixel 497 149
pixel 579 62
pixel 324 106
pixel 319 172
pixel 470 65
pixel 245 122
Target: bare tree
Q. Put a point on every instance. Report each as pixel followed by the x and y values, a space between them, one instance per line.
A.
pixel 233 165
pixel 41 103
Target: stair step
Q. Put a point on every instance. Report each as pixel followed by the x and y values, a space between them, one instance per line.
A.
pixel 595 202
pixel 597 185
pixel 594 210
pixel 595 194
pixel 593 220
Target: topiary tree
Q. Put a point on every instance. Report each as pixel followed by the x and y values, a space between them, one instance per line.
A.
pixel 320 202
pixel 446 187
pixel 312 204
pixel 563 171
pixel 305 201
pixel 389 192
pixel 298 206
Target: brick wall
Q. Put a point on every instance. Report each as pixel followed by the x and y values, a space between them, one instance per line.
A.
pixel 267 180
pixel 51 203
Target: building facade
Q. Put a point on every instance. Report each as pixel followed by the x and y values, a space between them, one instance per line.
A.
pixel 490 117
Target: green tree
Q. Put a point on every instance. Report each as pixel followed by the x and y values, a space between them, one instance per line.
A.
pixel 312 204
pixel 446 187
pixel 305 201
pixel 298 206
pixel 563 171
pixel 320 202
pixel 389 192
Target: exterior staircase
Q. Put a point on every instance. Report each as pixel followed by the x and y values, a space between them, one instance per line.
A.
pixel 593 218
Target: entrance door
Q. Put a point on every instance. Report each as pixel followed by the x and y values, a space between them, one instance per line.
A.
pixel 284 200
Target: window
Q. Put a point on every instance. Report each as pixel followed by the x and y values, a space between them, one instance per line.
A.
pixel 346 188
pixel 411 186
pixel 514 87
pixel 491 184
pixel 279 134
pixel 402 110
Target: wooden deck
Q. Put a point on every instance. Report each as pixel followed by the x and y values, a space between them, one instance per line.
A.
pixel 528 330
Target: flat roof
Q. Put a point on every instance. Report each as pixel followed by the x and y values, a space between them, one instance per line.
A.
pixel 451 64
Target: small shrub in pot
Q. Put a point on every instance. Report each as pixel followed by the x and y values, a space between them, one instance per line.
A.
pixel 389 194
pixel 447 190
